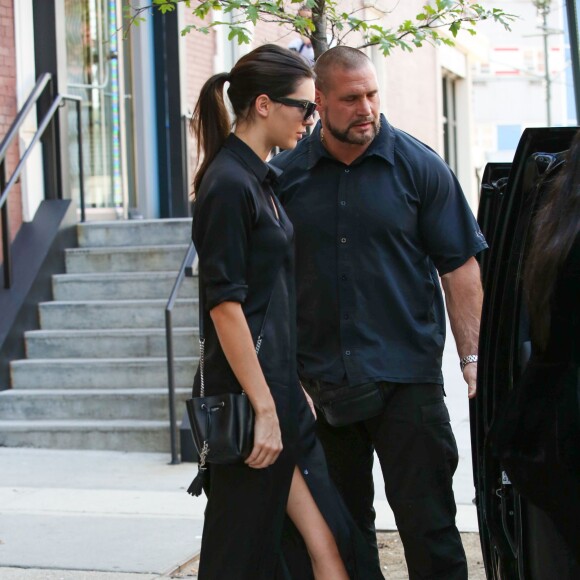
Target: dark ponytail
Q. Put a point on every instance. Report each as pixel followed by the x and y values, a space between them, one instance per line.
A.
pixel 268 69
pixel 210 123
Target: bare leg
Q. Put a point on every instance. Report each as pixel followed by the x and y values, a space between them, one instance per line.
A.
pixel 303 511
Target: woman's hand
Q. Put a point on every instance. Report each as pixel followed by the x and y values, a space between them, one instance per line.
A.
pixel 237 343
pixel 267 440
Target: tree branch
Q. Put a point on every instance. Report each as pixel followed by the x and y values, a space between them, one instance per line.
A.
pixel 327 20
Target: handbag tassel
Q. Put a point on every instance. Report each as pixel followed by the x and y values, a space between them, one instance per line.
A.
pixel 196 486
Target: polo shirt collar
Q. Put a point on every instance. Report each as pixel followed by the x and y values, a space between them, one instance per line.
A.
pixel 383 145
pixel 249 158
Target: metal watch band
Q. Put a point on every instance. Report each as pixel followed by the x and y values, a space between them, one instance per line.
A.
pixel 470 358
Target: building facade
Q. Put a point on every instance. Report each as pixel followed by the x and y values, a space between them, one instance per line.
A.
pixel 524 81
pixel 138 86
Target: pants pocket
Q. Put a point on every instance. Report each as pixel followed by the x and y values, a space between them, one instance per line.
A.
pixel 435 413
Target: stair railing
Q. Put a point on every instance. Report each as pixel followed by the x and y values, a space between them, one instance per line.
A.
pixel 44 80
pixel 186 269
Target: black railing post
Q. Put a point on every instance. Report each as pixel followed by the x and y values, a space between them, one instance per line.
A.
pixel 81 169
pixel 171 385
pixel 185 265
pixel 50 148
pixel 7 262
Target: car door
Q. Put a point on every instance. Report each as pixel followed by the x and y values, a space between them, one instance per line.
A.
pixel 509 196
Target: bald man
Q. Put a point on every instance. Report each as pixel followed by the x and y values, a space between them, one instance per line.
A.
pixel 379 220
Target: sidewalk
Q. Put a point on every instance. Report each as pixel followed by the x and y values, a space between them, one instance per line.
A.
pixel 100 511
pixel 104 515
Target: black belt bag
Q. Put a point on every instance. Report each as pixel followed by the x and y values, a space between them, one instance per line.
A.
pixel 345 405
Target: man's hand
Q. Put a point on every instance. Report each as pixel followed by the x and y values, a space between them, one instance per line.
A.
pixel 470 376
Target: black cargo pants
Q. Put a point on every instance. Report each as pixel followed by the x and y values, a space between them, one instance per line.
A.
pixel 418 456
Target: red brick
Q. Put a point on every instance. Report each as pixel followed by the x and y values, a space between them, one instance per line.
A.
pixel 8 106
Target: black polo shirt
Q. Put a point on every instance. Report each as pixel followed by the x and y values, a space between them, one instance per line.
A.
pixel 370 240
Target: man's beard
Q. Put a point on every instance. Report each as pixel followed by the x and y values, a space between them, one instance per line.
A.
pixel 354 139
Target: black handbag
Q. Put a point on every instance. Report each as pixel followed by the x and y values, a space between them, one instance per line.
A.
pixel 222 425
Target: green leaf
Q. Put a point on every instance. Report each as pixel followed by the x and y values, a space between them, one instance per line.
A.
pixel 240 34
pixel 443 5
pixel 252 13
pixel 341 21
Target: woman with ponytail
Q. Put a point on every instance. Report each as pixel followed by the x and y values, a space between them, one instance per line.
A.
pixel 276 516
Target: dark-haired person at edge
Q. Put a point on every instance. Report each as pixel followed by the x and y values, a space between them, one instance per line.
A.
pixel 537 436
pixel 245 245
pixel 378 217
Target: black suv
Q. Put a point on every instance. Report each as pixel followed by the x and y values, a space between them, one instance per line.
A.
pixel 513 532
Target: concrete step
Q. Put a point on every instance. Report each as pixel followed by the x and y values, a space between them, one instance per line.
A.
pixel 116 314
pixel 89 404
pixel 104 373
pixel 103 435
pixel 120 286
pixel 134 233
pixel 111 343
pixel 125 259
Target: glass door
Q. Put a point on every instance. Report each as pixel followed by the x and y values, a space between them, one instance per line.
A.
pixel 96 72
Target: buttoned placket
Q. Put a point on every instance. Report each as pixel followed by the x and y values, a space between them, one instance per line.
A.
pixel 345 241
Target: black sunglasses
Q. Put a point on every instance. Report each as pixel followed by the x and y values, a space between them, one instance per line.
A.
pixel 308 106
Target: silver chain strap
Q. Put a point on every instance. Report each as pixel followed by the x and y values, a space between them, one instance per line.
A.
pixel 202 362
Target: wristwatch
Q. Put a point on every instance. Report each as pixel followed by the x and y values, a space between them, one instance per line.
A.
pixel 470 358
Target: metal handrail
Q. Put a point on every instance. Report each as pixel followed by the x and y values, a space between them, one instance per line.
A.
pixel 184 270
pixel 5 188
pixel 38 89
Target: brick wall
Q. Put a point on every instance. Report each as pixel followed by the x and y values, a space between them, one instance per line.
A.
pixel 8 107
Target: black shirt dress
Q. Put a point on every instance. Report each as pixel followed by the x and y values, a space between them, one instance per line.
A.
pixel 246 255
